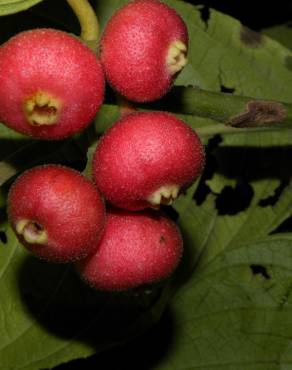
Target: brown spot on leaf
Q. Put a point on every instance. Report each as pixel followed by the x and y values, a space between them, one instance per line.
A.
pixel 250 38
pixel 259 113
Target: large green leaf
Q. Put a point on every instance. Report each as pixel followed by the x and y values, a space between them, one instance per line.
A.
pixel 49 316
pixel 281 33
pixel 234 311
pixel 14 6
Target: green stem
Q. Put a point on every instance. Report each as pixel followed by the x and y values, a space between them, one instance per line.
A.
pixel 221 129
pixel 232 110
pixel 87 19
pixel 6 172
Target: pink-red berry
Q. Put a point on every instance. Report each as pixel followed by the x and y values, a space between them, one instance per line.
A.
pixel 137 248
pixel 56 213
pixel 146 159
pixel 143 48
pixel 51 84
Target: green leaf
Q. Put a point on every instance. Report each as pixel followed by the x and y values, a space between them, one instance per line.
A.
pixel 15 6
pixel 106 116
pixel 282 33
pixel 236 316
pixel 233 308
pixel 235 311
pixel 225 53
pixel 50 316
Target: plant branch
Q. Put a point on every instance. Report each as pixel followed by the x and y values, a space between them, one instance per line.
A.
pixel 221 129
pixel 233 110
pixel 87 19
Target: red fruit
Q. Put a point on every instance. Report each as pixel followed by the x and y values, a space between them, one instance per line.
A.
pixel 51 85
pixel 136 249
pixel 143 48
pixel 56 213
pixel 145 159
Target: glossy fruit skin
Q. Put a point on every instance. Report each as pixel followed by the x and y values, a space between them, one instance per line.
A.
pixel 142 152
pixel 134 49
pixel 66 204
pixel 137 249
pixel 52 62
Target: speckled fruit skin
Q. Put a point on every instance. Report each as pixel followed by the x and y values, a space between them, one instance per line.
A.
pixel 137 248
pixel 134 47
pixel 66 204
pixel 57 63
pixel 142 152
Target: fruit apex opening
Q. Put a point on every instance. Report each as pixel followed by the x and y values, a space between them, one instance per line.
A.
pixel 164 195
pixel 42 109
pixel 32 232
pixel 176 57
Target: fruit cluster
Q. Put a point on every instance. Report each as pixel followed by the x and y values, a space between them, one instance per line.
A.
pixel 52 86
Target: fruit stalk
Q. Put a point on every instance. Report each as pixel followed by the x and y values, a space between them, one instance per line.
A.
pixel 87 18
pixel 125 106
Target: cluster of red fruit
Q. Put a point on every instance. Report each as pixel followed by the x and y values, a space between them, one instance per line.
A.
pixel 51 86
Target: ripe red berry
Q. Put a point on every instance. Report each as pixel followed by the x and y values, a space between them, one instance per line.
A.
pixel 51 84
pixel 56 213
pixel 146 159
pixel 143 48
pixel 136 249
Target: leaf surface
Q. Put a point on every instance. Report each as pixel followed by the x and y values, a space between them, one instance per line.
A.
pixel 15 6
